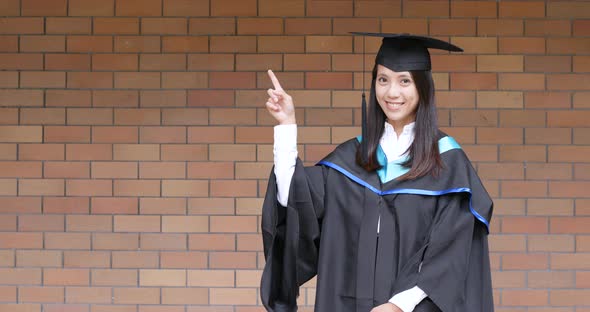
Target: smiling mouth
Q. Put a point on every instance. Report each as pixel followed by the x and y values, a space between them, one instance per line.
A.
pixel 395 104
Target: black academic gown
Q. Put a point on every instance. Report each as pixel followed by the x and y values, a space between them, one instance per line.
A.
pixel 432 233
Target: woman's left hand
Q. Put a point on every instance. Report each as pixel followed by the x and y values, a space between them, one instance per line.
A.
pixel 387 307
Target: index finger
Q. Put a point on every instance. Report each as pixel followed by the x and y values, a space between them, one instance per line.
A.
pixel 274 80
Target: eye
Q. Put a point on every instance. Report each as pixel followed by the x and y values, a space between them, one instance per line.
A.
pixel 381 79
pixel 406 81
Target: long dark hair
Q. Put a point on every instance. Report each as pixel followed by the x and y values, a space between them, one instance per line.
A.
pixel 423 154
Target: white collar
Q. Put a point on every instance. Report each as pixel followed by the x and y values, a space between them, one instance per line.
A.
pixel 390 131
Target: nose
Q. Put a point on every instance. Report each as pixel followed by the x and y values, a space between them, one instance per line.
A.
pixel 394 90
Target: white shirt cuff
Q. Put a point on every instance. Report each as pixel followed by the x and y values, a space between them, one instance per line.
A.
pixel 407 300
pixel 285 157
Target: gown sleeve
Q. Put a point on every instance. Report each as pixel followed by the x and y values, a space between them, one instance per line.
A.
pixel 291 237
pixel 454 269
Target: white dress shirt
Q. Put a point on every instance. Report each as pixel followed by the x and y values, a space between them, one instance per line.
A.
pixel 394 147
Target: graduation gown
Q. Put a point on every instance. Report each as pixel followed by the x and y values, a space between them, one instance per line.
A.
pixel 432 233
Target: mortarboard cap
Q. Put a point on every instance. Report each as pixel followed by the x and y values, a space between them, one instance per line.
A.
pixel 404 52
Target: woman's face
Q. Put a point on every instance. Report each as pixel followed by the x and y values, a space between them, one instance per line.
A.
pixel 397 95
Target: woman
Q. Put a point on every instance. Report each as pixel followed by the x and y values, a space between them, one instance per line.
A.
pixel 395 220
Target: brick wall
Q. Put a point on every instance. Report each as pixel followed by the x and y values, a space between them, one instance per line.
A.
pixel 135 147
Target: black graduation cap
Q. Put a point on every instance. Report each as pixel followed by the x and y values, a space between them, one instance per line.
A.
pixel 402 52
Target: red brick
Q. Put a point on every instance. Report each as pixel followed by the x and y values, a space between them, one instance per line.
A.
pixel 217 206
pixel 141 116
pixel 377 8
pixel 67 134
pixel 523 153
pixel 211 242
pixel 137 44
pixel 522 9
pixel 65 205
pixel 41 294
pixel 425 8
pixel 86 259
pixel 547 64
pixel 68 25
pixel 136 296
pixel 20 169
pixel 8 294
pixel 137 223
pixel 185 44
pixel 8 79
pixel 162 277
pixel 162 206
pixel 233 8
pixel 114 170
pixel 162 170
pixel 210 62
pixel 21 25
pixel 186 8
pixel 183 260
pixel 136 152
pixel 89 152
pixel 521 81
pixel 164 26
pixel 41 223
pixel 549 172
pixel 551 243
pixel 21 240
pixel 162 241
pixel 185 224
pixel 192 296
pixel 89 80
pixel 474 9
pixel 568 82
pixel 135 259
pixel 525 262
pixel 66 277
pixel 111 277
pixel 329 8
pixel 568 189
pixel 284 8
pixel 162 62
pixel 8 151
pixel 188 117
pixel 568 46
pixel 41 187
pixel 10 7
pixel 82 223
pixel 232 260
pixel 88 295
pixel 38 258
pixel 114 205
pixel 138 8
pixel 183 80
pixel 115 135
pixel 570 225
pixel 21 97
pixel 328 80
pixel 43 44
pixel 44 8
pixel 67 98
pixel 525 297
pixel 137 80
pixel 67 241
pixel 308 26
pixel 115 241
pixel 20 205
pixel 581 27
pixel 67 62
pixel 473 81
pixel 184 152
pixel 570 261
pixel 114 62
pixel 162 135
pixel 233 224
pixel 163 98
pixel 137 188
pixel 28 61
pixel 233 44
pixel 452 27
pixel 9 116
pixel 260 26
pixel 500 27
pixel 91 8
pixel 568 9
pixel 232 80
pixel 524 189
pixel 548 27
pixel 89 187
pixel 176 188
pixel 298 44
pixel 232 116
pixel 212 26
pixel 260 62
